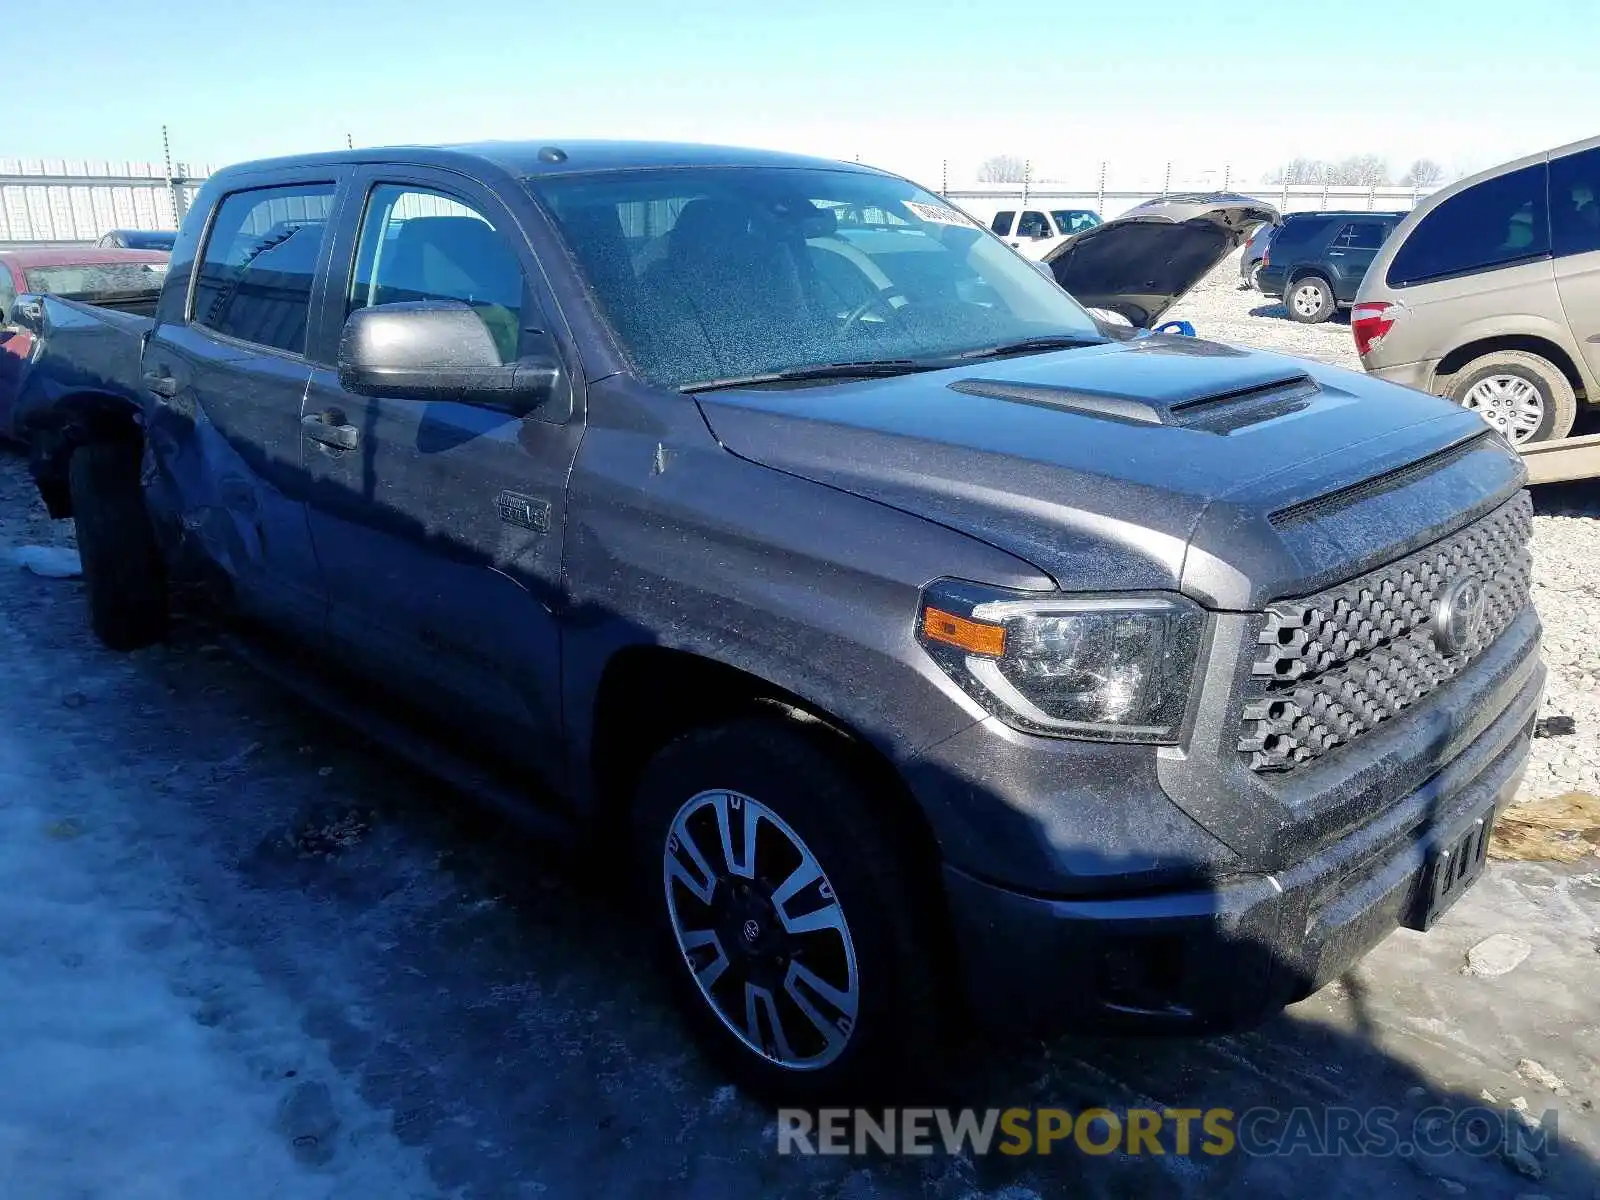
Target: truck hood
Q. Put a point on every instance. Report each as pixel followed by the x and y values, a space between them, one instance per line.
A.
pixel 1143 262
pixel 1155 463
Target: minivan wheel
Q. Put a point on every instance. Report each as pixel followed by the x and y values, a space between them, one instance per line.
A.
pixel 1309 300
pixel 1526 397
pixel 785 913
pixel 122 570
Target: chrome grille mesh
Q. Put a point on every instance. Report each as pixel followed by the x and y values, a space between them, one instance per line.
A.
pixel 1334 665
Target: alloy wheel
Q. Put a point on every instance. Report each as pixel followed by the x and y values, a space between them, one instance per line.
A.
pixel 761 930
pixel 1307 300
pixel 1510 403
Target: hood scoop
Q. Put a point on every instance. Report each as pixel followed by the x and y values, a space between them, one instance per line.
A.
pixel 1219 412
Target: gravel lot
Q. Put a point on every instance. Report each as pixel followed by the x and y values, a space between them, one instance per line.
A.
pixel 245 954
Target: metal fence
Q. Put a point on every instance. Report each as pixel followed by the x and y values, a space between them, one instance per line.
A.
pixel 57 202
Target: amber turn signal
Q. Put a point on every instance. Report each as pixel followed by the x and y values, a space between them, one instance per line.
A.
pixel 975 637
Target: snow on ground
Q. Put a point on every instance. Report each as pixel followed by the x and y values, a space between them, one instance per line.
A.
pixel 243 953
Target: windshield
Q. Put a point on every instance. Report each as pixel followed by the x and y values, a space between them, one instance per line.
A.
pixel 1075 220
pixel 722 273
pixel 97 281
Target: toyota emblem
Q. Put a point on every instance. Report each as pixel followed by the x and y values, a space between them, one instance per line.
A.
pixel 1459 616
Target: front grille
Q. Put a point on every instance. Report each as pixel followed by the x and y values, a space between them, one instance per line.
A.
pixel 1334 665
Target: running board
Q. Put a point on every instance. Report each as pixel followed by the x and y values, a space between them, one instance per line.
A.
pixel 409 741
pixel 1558 462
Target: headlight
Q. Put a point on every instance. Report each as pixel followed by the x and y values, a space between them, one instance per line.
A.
pixel 1114 668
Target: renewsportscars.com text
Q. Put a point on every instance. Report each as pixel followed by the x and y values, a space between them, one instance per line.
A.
pixel 1319 1132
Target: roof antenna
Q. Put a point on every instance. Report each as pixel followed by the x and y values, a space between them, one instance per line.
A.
pixel 552 154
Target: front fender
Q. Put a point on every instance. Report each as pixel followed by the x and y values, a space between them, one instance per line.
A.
pixel 671 541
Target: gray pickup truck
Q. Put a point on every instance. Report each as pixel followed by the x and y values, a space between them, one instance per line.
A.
pixel 919 647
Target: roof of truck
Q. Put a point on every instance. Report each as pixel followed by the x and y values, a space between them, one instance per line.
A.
pixel 557 156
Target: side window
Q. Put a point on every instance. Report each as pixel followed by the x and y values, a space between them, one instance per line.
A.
pixel 1494 223
pixel 1002 222
pixel 1033 225
pixel 422 245
pixel 8 293
pixel 1360 235
pixel 1575 203
pixel 254 279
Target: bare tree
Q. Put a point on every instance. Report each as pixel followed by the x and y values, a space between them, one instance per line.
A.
pixel 1362 170
pixel 1003 168
pixel 1301 170
pixel 1423 173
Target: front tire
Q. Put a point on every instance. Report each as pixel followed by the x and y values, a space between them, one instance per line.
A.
pixel 1527 398
pixel 1309 300
pixel 122 571
pixel 785 910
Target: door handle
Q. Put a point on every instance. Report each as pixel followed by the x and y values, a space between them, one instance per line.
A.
pixel 319 428
pixel 161 384
pixel 1335 253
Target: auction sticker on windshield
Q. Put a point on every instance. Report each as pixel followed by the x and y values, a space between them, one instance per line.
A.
pixel 937 214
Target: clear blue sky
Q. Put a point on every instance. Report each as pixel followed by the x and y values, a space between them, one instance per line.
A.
pixel 902 85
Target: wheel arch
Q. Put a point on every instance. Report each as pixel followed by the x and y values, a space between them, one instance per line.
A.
pixel 55 431
pixel 630 723
pixel 1528 343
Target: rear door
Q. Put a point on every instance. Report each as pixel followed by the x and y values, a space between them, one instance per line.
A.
pixel 225 384
pixel 440 532
pixel 1350 254
pixel 1575 242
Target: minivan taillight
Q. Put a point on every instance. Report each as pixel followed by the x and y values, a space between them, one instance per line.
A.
pixel 1369 322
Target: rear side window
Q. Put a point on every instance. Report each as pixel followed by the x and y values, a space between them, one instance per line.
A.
pixel 1002 222
pixel 1360 235
pixel 254 279
pixel 1492 224
pixel 1575 203
pixel 8 294
pixel 1301 231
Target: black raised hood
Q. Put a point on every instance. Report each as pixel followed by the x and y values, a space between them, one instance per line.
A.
pixel 1143 262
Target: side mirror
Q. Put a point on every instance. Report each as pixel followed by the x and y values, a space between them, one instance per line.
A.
pixel 437 350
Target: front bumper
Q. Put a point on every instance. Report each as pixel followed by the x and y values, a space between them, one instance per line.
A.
pixel 1228 953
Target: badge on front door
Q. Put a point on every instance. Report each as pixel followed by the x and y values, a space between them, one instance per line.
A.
pixel 530 513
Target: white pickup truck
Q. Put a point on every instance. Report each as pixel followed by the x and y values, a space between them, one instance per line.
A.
pixel 1034 232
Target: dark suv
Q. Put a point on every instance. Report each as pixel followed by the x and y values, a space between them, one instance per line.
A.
pixel 913 643
pixel 1315 261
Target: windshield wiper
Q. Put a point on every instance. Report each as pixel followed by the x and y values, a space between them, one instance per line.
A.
pixel 875 368
pixel 1033 345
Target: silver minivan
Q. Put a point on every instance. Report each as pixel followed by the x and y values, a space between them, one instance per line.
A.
pixel 1489 294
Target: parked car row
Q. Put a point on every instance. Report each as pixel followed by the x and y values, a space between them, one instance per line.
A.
pixel 916 646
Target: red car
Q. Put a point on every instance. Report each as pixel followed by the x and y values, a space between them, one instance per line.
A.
pixel 124 279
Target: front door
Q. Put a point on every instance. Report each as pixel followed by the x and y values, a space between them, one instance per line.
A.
pixel 1035 235
pixel 1575 241
pixel 439 528
pixel 225 388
